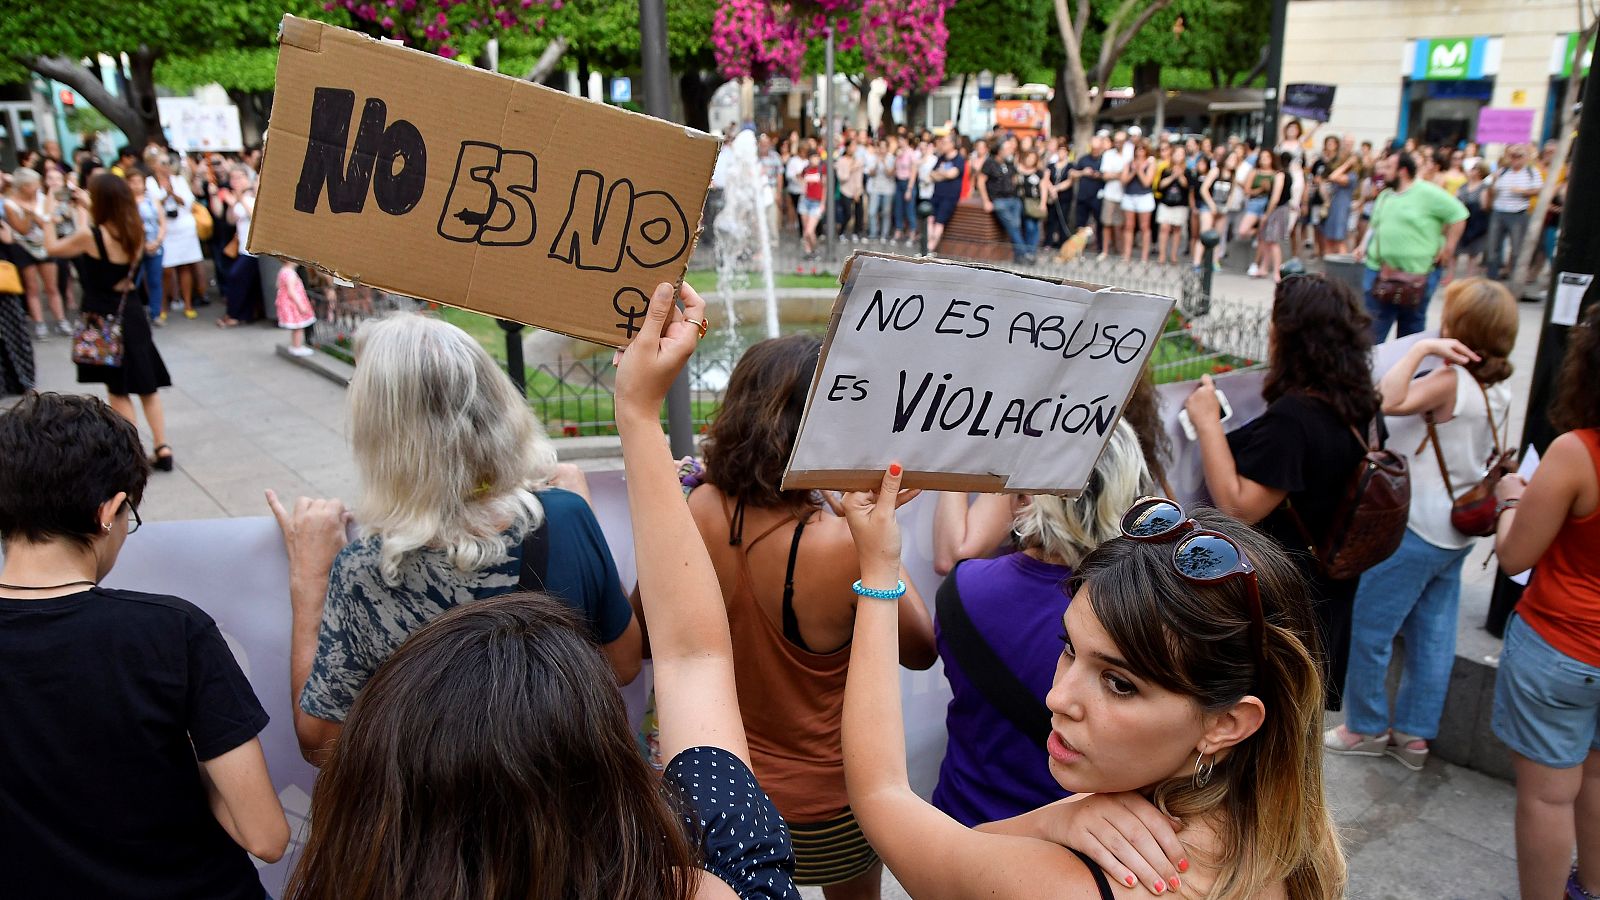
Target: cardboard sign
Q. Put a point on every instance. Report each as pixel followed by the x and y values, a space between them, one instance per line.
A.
pixel 971 378
pixel 1504 125
pixel 402 170
pixel 1308 101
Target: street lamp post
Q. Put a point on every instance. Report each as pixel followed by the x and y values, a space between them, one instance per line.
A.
pixel 656 77
pixel 829 212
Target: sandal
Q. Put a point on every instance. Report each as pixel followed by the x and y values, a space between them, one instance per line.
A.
pixel 1403 749
pixel 227 322
pixel 1343 741
pixel 163 463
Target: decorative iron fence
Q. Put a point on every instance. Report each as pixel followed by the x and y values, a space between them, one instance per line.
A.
pixel 573 394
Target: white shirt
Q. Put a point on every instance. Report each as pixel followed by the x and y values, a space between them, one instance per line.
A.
pixel 1508 185
pixel 1112 163
pixel 794 174
pixel 1466 442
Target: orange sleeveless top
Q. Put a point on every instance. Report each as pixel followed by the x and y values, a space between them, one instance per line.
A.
pixel 1562 602
pixel 792 702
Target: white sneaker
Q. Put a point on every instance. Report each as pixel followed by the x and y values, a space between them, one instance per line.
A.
pixel 1254 271
pixel 63 328
pixel 301 351
pixel 40 331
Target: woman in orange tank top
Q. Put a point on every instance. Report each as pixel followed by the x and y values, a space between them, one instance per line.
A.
pixel 786 565
pixel 1547 693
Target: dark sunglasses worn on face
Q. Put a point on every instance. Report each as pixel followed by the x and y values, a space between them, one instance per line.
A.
pixel 1201 556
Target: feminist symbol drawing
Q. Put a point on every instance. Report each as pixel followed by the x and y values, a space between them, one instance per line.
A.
pixel 637 305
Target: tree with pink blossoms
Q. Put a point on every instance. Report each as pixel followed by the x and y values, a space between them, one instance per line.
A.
pixel 449 28
pixel 900 41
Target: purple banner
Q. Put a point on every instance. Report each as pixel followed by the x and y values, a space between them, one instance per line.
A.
pixel 1504 126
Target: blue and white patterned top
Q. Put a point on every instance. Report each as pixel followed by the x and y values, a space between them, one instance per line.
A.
pixel 366 619
pixel 742 838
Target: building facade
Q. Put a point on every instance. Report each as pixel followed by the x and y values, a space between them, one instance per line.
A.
pixel 1427 69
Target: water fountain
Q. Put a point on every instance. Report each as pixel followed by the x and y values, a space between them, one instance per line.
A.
pixel 743 238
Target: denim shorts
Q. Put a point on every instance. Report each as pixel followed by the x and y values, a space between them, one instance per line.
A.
pixel 809 207
pixel 1256 206
pixel 1546 704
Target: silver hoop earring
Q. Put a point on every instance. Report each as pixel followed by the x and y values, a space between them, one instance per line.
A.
pixel 1203 770
pixel 106 527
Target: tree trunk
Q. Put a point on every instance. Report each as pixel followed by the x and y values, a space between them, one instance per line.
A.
pixel 89 86
pixel 1060 109
pixel 961 102
pixel 886 121
pixel 1520 276
pixel 916 111
pixel 695 90
pixel 142 82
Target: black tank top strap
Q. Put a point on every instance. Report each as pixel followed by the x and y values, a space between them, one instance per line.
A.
pixel 99 243
pixel 1100 879
pixel 791 622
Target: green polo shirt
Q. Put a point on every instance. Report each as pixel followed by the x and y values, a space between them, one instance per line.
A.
pixel 1408 227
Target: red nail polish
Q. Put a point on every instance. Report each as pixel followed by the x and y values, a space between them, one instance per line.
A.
pixel 1183 865
pixel 1128 881
pixel 1161 886
pixel 1172 883
pixel 894 469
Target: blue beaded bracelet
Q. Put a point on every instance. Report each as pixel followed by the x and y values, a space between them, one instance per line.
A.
pixel 877 594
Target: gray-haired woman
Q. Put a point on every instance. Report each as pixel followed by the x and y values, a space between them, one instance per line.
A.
pixel 458 503
pixel 25 212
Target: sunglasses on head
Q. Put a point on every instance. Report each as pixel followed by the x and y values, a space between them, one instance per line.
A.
pixel 1200 556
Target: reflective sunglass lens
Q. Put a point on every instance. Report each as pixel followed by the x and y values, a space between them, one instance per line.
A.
pixel 1152 518
pixel 1204 557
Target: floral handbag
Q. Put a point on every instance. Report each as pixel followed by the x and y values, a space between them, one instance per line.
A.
pixel 97 337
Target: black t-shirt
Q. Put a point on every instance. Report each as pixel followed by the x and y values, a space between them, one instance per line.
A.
pixel 107 700
pixel 1299 445
pixel 1001 178
pixel 1089 181
pixel 949 188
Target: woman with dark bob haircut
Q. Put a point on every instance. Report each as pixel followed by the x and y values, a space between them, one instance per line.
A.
pixel 1184 689
pixel 786 564
pixel 129 763
pixel 1287 471
pixel 490 756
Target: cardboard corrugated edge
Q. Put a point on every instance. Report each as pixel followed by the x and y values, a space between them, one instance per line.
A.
pixel 870 479
pixel 308 34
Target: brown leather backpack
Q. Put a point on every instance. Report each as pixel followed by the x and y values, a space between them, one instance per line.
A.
pixel 1370 521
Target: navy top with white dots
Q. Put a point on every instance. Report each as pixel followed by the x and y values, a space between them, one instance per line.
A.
pixel 743 840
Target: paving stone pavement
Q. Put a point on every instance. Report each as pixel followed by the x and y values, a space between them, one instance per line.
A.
pixel 241 419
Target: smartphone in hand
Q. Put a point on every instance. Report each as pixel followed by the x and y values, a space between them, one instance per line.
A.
pixel 1188 425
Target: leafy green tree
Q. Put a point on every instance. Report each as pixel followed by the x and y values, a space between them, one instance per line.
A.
pixel 997 36
pixel 55 39
pixel 1092 54
pixel 1225 39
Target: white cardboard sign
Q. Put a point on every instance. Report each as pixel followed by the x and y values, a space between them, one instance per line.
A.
pixel 971 378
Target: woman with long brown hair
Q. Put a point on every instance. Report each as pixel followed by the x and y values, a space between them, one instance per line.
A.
pixel 1450 422
pixel 784 562
pixel 108 243
pixel 490 756
pixel 1287 471
pixel 1183 679
pixel 1547 690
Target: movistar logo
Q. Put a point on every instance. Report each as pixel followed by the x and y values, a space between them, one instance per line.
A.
pixel 1446 57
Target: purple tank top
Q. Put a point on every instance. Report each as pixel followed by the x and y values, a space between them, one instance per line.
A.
pixel 991 770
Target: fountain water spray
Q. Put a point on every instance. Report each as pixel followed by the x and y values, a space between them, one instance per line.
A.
pixel 743 237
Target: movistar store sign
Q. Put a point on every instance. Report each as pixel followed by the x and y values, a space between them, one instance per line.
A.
pixel 1450 59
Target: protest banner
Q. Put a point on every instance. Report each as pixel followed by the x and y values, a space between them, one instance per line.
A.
pixel 971 378
pixel 405 171
pixel 1504 125
pixel 1308 101
pixel 196 127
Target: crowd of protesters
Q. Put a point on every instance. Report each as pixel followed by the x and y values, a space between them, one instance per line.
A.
pixel 1151 199
pixel 455 668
